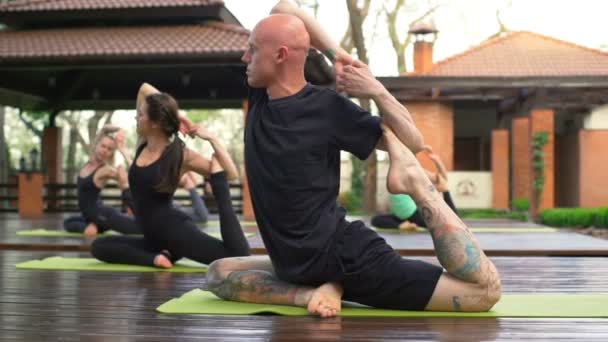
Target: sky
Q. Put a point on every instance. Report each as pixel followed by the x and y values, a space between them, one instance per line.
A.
pixel 462 23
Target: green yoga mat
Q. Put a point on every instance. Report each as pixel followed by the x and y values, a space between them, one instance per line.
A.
pixel 476 230
pixel 91 264
pixel 530 305
pixel 62 233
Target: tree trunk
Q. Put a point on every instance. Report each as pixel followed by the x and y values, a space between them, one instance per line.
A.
pixel 357 17
pixel 401 62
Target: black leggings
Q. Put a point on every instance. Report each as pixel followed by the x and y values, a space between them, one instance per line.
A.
pixel 181 240
pixel 392 221
pixel 106 218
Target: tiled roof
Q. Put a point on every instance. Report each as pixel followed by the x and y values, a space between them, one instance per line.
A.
pixel 82 43
pixel 524 54
pixel 66 5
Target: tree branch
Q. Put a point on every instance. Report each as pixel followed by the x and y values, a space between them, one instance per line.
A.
pixel 30 125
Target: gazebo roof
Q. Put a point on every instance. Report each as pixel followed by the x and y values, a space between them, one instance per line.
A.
pixel 78 5
pixel 197 42
pixel 94 54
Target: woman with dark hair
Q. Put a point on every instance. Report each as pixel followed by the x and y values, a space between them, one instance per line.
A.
pixel 161 160
pixel 97 218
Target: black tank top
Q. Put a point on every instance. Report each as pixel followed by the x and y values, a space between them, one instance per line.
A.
pixel 88 193
pixel 148 202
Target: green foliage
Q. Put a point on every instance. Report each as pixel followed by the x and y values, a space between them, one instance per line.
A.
pixel 492 214
pixel 575 217
pixel 518 216
pixel 521 204
pixel 539 140
pixel 355 196
pixel 204 116
pixel 601 219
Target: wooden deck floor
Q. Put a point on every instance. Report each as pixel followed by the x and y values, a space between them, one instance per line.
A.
pixel 562 243
pixel 88 306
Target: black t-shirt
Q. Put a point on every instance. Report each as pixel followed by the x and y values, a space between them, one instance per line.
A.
pixel 292 156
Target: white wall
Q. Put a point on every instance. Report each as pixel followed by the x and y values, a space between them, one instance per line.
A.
pixel 471 189
pixel 598 119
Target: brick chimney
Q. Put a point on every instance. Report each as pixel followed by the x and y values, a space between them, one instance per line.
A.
pixel 425 35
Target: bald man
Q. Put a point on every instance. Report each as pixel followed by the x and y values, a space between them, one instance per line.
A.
pixel 293 137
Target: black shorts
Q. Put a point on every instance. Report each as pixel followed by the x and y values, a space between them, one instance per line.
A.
pixel 373 273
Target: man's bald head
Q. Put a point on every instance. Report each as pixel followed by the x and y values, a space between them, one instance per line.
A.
pixel 278 47
pixel 283 29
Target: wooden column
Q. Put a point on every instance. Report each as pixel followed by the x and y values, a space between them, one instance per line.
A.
pixel 543 120
pixel 52 158
pixel 500 169
pixel 30 190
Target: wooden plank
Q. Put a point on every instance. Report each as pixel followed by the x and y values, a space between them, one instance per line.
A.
pixel 75 306
pixel 563 243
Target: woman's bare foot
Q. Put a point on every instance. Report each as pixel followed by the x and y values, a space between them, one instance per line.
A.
pixel 408 226
pixel 91 230
pixel 405 175
pixel 162 261
pixel 326 300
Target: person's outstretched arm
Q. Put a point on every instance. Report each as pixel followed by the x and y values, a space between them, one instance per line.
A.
pixel 358 81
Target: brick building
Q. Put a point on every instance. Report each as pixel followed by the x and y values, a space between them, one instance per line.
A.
pixel 480 110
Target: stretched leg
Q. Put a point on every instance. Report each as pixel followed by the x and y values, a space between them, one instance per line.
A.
pixel 252 279
pixel 188 241
pixel 125 250
pixel 75 224
pixel 386 221
pixel 472 282
pixel 232 232
pixel 107 218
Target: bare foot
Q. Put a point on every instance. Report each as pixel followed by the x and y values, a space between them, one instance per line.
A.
pixel 162 261
pixel 442 184
pixel 326 300
pixel 405 175
pixel 408 226
pixel 91 230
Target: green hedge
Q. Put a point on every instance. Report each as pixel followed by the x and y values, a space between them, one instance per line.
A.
pixel 575 217
pixel 491 214
pixel 521 204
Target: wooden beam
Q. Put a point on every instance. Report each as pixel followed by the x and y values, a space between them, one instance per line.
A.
pixel 67 84
pixel 20 99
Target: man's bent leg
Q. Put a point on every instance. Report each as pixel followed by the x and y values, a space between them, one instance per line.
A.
pixel 473 283
pixel 252 279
